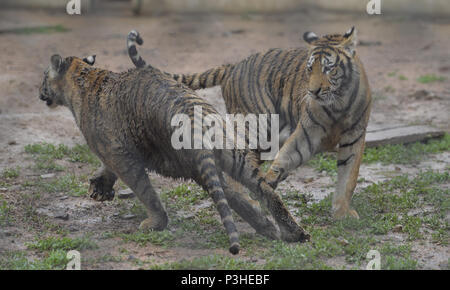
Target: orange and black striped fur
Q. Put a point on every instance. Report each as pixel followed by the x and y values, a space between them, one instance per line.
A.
pixel 126 121
pixel 321 94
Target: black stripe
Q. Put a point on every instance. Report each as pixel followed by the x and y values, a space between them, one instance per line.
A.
pixel 307 139
pixel 353 142
pixel 329 114
pixel 216 73
pixel 254 173
pixel 313 119
pixel 299 152
pixel 352 127
pixel 344 162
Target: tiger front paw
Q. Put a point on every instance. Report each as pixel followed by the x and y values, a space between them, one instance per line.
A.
pixel 100 190
pixel 273 177
pixel 343 212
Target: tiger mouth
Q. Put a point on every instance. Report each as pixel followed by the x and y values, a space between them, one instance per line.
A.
pixel 47 100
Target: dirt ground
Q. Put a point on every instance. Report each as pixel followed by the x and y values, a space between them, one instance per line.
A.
pixel 395 50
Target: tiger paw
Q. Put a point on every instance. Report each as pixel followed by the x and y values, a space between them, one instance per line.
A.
pixel 154 224
pixel 295 235
pixel 272 178
pixel 99 190
pixel 344 212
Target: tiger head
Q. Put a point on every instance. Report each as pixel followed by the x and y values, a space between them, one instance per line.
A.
pixel 330 65
pixel 52 87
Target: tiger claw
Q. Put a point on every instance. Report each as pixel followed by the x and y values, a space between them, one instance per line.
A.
pixel 99 191
pixel 102 196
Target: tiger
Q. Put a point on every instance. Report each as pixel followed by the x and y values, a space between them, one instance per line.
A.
pixel 320 92
pixel 125 119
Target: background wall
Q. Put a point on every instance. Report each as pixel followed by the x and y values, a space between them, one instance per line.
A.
pixel 149 7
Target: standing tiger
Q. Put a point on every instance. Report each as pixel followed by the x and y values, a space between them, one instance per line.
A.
pixel 126 121
pixel 321 94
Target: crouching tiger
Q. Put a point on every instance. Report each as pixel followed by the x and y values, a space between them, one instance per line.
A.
pixel 126 121
pixel 321 94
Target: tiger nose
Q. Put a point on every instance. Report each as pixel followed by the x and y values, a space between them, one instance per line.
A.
pixel 315 92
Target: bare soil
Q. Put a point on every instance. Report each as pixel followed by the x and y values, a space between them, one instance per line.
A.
pixel 407 49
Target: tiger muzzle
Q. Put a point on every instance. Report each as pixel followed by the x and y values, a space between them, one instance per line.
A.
pixel 46 99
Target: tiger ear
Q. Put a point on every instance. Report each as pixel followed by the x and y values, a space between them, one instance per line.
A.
pixel 349 42
pixel 309 37
pixel 90 60
pixel 56 63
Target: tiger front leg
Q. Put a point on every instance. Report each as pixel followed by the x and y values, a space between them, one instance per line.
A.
pixel 350 154
pixel 297 150
pixel 101 185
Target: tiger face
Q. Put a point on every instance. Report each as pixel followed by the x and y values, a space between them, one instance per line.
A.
pixel 329 65
pixel 51 90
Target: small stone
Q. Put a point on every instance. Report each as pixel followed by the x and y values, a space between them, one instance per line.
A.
pixel 128 216
pixel 12 142
pixel 397 229
pixel 61 215
pixel 342 241
pixel 63 197
pixel 49 175
pixel 2 189
pixel 308 179
pixel 6 233
pixel 125 193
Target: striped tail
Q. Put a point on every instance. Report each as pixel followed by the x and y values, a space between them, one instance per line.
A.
pixel 210 78
pixel 212 184
pixel 132 39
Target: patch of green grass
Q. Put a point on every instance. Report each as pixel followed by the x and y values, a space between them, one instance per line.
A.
pixel 5 212
pixel 207 262
pixel 16 260
pixel 36 30
pixel 386 204
pixel 184 196
pixel 324 162
pixel 11 173
pixel 430 78
pixel 396 263
pixel 403 154
pixel 158 238
pixel 402 78
pixel 389 154
pixel 45 155
pixel 62 243
pixel 392 74
pixel 70 184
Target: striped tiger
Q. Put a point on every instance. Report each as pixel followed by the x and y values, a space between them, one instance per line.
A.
pixel 320 92
pixel 126 121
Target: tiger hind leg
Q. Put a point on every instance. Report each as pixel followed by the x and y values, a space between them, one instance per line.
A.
pixel 248 209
